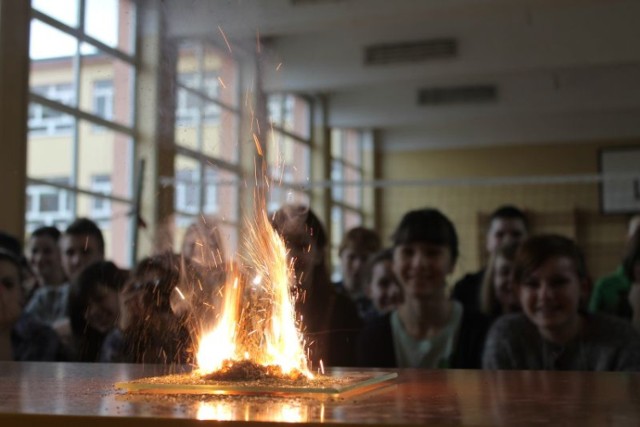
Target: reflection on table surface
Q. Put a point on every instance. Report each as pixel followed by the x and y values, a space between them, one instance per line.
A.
pixel 80 394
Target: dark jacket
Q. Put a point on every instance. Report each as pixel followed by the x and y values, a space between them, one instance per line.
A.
pixel 467 290
pixel 375 344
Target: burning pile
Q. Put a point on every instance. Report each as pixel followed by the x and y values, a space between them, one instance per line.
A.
pixel 255 334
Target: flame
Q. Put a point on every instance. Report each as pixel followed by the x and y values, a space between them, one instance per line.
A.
pixel 257 319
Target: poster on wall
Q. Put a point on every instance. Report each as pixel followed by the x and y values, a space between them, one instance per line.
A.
pixel 620 185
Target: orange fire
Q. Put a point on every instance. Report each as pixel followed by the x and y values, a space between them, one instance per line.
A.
pixel 256 320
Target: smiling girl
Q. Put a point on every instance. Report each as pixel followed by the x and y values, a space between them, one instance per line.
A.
pixel 427 330
pixel 554 332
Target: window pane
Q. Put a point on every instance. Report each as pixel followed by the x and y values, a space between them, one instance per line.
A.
pixel 107 86
pixel 221 193
pixel 104 155
pixel 337 176
pixel 111 22
pixel 48 205
pixel 51 44
pixel 50 144
pixel 187 185
pixel 224 70
pixel 220 139
pixel 65 11
pixel 289 160
pixel 290 113
pixel 351 219
pixel 353 193
pixel 336 143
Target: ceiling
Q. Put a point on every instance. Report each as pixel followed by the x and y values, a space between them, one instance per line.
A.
pixel 564 71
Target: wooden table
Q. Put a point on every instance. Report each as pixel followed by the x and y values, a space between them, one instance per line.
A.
pixel 69 394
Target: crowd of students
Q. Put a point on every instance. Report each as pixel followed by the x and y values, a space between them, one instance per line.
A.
pixel 531 307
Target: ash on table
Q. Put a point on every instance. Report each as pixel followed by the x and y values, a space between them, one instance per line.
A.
pixel 247 370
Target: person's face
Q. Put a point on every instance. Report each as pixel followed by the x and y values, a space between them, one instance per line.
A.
pixel 10 294
pixel 103 309
pixel 422 268
pixel 550 295
pixel 44 257
pixel 503 231
pixel 78 252
pixel 352 260
pixel 502 286
pixel 384 289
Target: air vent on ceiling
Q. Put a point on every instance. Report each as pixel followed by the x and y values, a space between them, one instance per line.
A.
pixel 312 2
pixel 413 51
pixel 458 95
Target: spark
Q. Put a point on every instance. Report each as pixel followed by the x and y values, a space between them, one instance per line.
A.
pixel 258 146
pixel 279 66
pixel 257 280
pixel 321 367
pixel 225 38
pixel 86 243
pixel 180 293
pixel 224 86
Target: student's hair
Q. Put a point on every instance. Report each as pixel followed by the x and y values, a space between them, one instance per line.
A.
pixel 360 237
pixel 367 272
pixel 281 218
pixel 509 212
pixel 488 302
pixel 11 244
pixel 536 250
pixel 84 226
pixel 427 225
pixel 631 256
pixel 47 231
pixel 101 273
pixel 8 255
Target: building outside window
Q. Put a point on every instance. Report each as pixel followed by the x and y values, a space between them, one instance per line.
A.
pixel 207 126
pixel 348 172
pixel 288 149
pixel 83 71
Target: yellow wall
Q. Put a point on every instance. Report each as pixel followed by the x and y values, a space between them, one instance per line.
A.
pixel 568 208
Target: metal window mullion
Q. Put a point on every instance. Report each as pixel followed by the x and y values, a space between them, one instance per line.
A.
pixel 135 40
pixel 75 189
pixel 206 97
pixel 281 130
pixel 207 159
pixel 75 146
pixel 199 125
pixel 81 36
pixel 78 113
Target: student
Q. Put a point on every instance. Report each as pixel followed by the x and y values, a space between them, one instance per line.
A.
pixel 610 293
pixel 497 296
pixel 631 268
pixel 506 224
pixel 330 320
pixel 49 301
pixel 22 337
pixel 95 307
pixel 82 244
pixel 358 244
pixel 380 283
pixel 428 330
pixel 554 332
pixel 150 330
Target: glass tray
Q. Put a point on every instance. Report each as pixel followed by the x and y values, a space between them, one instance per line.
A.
pixel 334 384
